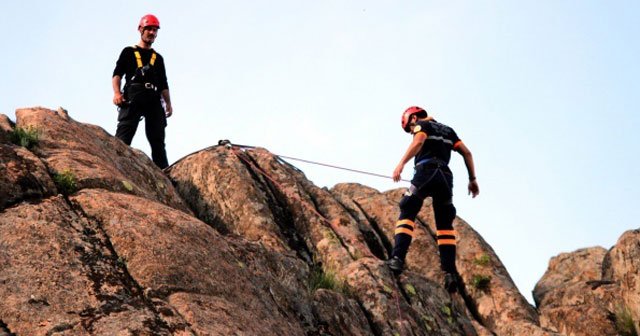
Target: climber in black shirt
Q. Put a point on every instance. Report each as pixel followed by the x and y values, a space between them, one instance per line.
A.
pixel 431 146
pixel 145 89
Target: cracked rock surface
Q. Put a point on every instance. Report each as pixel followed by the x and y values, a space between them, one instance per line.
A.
pixel 236 241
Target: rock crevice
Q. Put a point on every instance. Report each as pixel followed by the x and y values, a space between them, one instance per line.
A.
pixel 235 241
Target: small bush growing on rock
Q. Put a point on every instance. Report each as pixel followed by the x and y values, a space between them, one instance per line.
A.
pixel 327 280
pixel 320 279
pixel 481 282
pixel 25 137
pixel 448 312
pixel 624 322
pixel 66 182
pixel 482 260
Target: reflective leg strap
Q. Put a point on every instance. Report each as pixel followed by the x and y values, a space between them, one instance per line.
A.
pixel 405 226
pixel 446 237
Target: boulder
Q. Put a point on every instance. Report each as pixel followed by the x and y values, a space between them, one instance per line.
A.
pixel 58 274
pixel 217 285
pixel 572 297
pixel 94 158
pixel 6 127
pixel 23 176
pixel 310 223
pixel 236 241
pixel 499 307
pixel 579 266
pixel 226 195
pixel 621 265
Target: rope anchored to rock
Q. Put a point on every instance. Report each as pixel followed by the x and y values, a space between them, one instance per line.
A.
pixel 228 144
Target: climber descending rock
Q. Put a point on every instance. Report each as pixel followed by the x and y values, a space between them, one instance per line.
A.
pixel 431 146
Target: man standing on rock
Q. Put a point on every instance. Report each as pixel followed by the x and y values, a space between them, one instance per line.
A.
pixel 145 90
pixel 431 146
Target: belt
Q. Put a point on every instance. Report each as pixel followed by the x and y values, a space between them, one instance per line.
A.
pixel 148 86
pixel 431 162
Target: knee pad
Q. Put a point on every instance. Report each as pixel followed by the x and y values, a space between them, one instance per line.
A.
pixel 410 206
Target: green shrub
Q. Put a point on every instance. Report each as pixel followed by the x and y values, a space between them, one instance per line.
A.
pixel 25 137
pixel 480 282
pixel 448 312
pixel 624 322
pixel 66 182
pixel 327 280
pixel 410 290
pixel 482 260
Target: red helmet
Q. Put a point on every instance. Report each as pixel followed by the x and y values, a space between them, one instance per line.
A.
pixel 149 20
pixel 406 116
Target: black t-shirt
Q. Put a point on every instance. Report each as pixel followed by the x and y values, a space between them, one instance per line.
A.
pixel 127 65
pixel 441 139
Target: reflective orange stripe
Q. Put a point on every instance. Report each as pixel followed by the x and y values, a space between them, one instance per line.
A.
pixel 446 232
pixel 404 230
pixel 406 221
pixel 446 241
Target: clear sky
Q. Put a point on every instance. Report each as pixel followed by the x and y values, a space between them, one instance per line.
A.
pixel 544 93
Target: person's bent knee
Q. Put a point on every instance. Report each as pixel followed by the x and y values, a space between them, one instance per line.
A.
pixel 410 206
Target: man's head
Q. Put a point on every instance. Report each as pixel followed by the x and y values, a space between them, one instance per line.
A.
pixel 411 116
pixel 148 28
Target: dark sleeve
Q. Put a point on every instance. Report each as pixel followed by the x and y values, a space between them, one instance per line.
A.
pixel 455 139
pixel 421 127
pixel 162 74
pixel 121 64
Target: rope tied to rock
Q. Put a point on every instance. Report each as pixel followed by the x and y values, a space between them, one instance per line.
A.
pixel 228 144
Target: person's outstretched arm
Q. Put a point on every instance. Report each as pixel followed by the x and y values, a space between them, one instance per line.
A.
pixel 473 187
pixel 413 150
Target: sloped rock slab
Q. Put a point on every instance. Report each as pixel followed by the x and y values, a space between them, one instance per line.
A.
pixel 22 176
pixel 58 275
pixel 95 158
pixel 6 127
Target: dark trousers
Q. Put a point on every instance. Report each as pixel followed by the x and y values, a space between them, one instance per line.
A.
pixel 129 117
pixel 435 181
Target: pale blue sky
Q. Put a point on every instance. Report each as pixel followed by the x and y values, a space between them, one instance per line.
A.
pixel 544 93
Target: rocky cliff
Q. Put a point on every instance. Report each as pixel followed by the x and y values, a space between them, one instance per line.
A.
pixel 94 239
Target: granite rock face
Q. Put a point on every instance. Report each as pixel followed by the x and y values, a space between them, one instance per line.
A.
pixel 593 291
pixel 347 231
pixel 572 297
pixel 94 158
pixel 235 241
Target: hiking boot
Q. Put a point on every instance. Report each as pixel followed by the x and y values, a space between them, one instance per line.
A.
pixel 451 282
pixel 395 264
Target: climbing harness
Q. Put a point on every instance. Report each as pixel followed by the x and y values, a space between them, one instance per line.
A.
pixel 139 58
pixel 142 70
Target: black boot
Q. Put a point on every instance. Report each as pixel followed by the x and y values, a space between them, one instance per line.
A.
pixel 451 282
pixel 395 264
